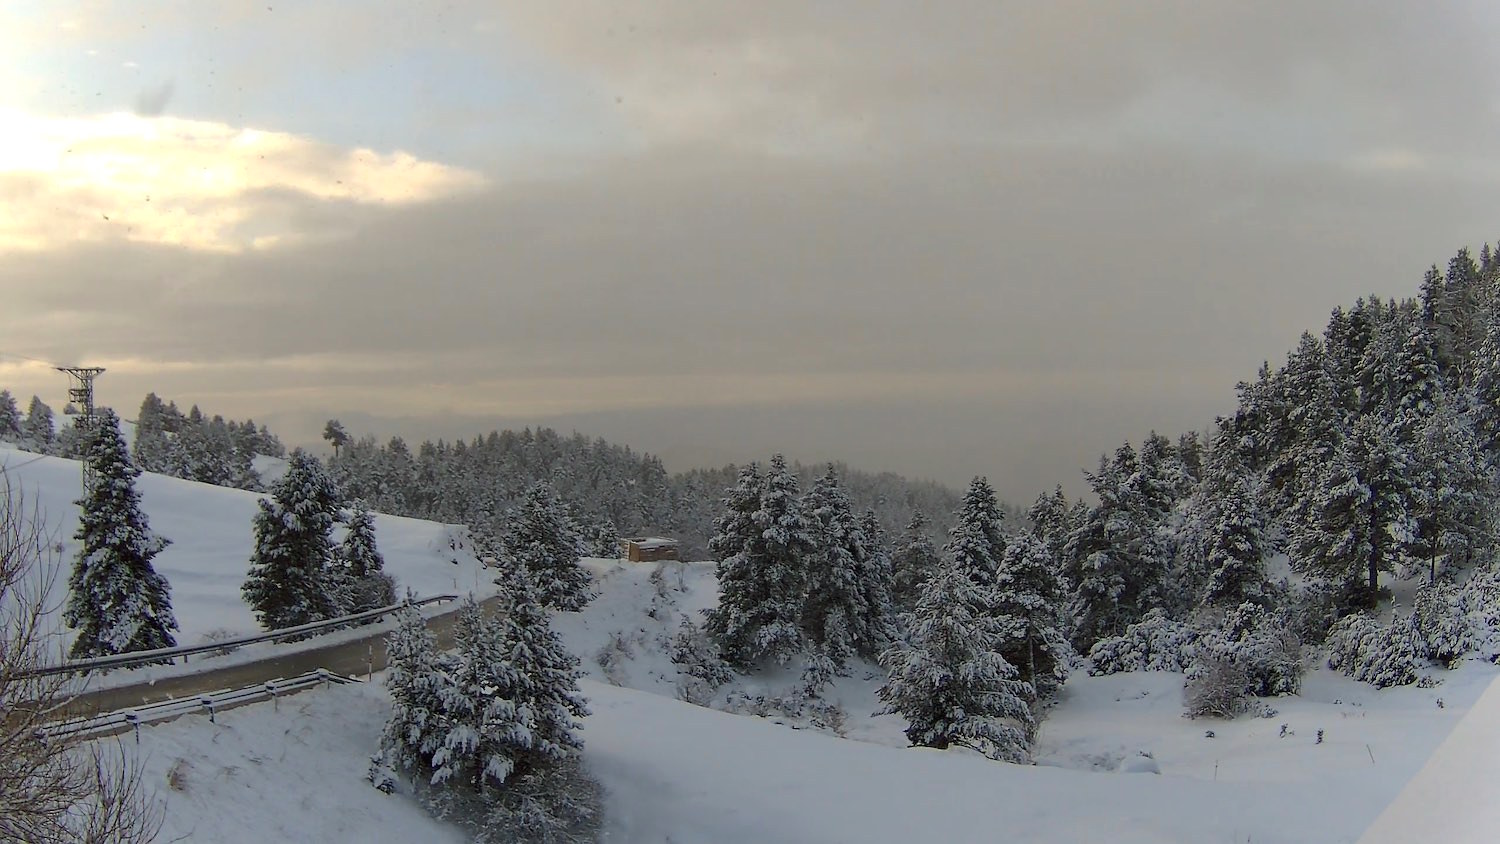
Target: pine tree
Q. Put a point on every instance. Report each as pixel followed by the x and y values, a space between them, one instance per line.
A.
pixel 417 676
pixel 1049 518
pixel 605 542
pixel 1236 547
pixel 72 439
pixel 762 586
pixel 735 529
pixel 914 559
pixel 150 445
pixel 293 570
pixel 542 541
pixel 949 682
pixel 982 522
pixel 37 432
pixel 545 684
pixel 369 587
pixel 335 434
pixel 1485 392
pixel 489 729
pixel 1028 604
pixel 1359 514
pixel 1111 560
pixel 116 600
pixel 875 583
pixel 10 418
pixel 834 616
pixel 1451 491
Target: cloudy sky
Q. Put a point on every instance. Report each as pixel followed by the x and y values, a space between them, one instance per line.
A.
pixel 943 238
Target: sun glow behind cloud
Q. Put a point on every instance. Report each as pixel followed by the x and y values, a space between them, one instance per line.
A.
pixel 191 183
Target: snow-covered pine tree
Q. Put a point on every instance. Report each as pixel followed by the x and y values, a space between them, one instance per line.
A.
pixel 417 677
pixel 914 559
pixel 116 600
pixel 1452 492
pixel 834 616
pixel 152 448
pixel 541 540
pixel 1484 394
pixel 544 684
pixel 1236 547
pixel 735 528
pixel 290 580
pixel 605 542
pixel 369 586
pixel 478 714
pixel 1029 605
pixel 762 585
pixel 948 680
pixel 875 579
pixel 72 439
pixel 10 418
pixel 37 432
pixel 1358 515
pixel 1049 518
pixel 982 523
pixel 1110 558
pixel 1160 480
pixel 1190 455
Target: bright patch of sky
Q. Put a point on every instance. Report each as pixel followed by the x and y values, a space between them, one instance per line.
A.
pixel 464 92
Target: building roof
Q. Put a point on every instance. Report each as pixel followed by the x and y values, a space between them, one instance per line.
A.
pixel 652 542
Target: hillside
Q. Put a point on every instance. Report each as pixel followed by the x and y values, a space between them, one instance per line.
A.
pixel 209 527
pixel 685 773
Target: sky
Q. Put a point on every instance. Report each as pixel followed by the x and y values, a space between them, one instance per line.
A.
pixel 944 239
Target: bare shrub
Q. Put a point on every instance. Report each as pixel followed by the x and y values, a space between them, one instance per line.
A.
pixel 1216 689
pixel 177 775
pixel 51 790
pixel 221 634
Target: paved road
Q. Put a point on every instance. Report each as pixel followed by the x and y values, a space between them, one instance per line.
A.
pixel 352 658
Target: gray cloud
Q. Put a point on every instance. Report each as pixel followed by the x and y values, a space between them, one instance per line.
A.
pixel 1012 314
pixel 989 237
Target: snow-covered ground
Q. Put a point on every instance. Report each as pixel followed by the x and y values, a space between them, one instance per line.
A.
pixel 1116 761
pixel 209 527
pixel 678 772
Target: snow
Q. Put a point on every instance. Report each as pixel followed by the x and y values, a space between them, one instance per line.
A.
pixel 291 773
pixel 1452 799
pixel 1116 759
pixel 674 771
pixel 1098 750
pixel 211 543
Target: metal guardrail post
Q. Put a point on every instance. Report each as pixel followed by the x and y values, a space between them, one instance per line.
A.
pixel 134 721
pixel 208 703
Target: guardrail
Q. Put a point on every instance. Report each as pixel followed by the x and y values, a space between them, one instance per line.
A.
pixel 136 658
pixel 119 721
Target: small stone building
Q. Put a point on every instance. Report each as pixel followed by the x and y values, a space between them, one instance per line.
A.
pixel 646 549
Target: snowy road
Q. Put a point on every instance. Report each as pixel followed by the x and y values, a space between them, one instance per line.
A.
pixel 350 657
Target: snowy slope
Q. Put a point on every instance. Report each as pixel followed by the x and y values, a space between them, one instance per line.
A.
pixel 211 542
pixel 293 773
pixel 685 773
pixel 1452 799
pixel 1251 781
pixel 677 772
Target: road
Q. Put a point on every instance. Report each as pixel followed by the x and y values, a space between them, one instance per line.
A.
pixel 353 658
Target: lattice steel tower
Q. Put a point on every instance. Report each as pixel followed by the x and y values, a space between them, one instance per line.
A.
pixel 81 393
